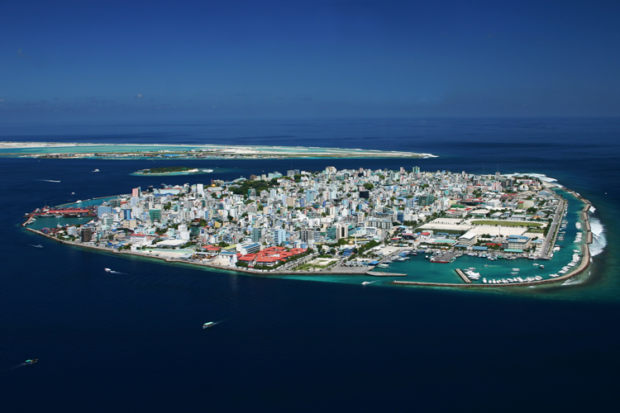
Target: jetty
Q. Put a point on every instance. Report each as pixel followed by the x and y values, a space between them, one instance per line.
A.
pixel 463 276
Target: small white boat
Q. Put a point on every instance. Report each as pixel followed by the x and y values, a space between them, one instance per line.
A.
pixel 38 246
pixel 368 282
pixel 208 325
pixel 515 270
pixel 542 267
pixel 96 170
pixel 107 270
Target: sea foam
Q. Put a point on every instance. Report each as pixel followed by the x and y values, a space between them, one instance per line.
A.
pixel 599 240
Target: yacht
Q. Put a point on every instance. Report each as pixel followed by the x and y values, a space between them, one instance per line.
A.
pixel 30 362
pixel 208 325
pixel 472 275
pixel 383 266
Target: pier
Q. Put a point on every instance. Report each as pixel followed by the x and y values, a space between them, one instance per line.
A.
pixel 463 277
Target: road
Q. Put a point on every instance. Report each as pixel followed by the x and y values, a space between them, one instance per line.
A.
pixel 557 219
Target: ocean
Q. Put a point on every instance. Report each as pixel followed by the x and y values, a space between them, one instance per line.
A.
pixel 132 340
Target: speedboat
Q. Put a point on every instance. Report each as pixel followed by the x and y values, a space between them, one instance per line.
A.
pixel 107 270
pixel 542 267
pixel 30 362
pixel 208 325
pixel 96 170
pixel 38 246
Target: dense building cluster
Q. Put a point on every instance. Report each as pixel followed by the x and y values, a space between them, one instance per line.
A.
pixel 269 219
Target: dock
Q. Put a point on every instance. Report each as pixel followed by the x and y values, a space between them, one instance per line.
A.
pixel 463 277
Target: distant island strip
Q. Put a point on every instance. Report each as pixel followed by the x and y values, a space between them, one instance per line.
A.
pixel 172 170
pixel 378 223
pixel 60 150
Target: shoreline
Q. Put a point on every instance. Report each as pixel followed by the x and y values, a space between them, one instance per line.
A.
pixel 217 267
pixel 583 265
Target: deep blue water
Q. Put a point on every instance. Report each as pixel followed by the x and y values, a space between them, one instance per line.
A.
pixel 133 341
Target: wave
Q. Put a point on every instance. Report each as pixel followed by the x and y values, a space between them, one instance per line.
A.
pixel 599 240
pixel 572 281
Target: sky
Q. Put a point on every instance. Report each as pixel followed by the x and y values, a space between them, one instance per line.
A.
pixel 149 60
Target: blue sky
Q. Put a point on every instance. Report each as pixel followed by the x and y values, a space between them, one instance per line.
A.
pixel 236 59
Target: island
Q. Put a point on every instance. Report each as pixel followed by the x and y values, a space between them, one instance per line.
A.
pixel 407 227
pixel 172 170
pixel 61 150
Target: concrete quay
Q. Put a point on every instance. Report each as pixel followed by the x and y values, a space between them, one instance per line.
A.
pixel 463 277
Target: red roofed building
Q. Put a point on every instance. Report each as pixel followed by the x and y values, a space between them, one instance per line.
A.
pixel 211 248
pixel 271 256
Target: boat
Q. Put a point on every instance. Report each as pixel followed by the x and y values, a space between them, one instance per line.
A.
pixel 368 282
pixel 96 170
pixel 58 215
pixel 472 275
pixel 78 201
pixel 383 266
pixel 515 270
pixel 30 362
pixel 208 325
pixel 107 270
pixel 542 267
pixel 485 265
pixel 38 246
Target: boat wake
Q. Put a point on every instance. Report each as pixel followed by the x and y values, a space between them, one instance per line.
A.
pixel 50 180
pixel 112 271
pixel 599 240
pixel 16 367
